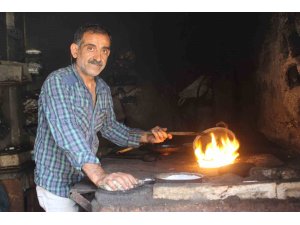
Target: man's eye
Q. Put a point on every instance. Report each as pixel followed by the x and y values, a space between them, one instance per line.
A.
pixel 105 51
pixel 90 48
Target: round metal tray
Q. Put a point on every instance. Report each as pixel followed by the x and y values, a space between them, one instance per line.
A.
pixel 180 177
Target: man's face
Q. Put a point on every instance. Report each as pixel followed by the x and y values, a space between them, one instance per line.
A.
pixel 92 53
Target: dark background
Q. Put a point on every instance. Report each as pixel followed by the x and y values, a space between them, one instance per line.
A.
pixel 169 47
pixel 171 51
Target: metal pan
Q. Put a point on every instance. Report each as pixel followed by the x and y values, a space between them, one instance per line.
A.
pixel 218 131
pixel 180 177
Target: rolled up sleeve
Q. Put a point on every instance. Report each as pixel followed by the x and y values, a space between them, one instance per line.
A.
pixel 116 131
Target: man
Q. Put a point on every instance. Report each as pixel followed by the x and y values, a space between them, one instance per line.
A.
pixel 74 105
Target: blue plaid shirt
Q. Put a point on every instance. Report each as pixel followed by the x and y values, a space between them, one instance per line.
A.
pixel 67 129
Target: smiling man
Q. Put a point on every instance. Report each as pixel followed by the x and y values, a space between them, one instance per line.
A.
pixel 75 104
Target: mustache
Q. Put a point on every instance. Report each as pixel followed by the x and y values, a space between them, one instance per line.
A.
pixel 95 62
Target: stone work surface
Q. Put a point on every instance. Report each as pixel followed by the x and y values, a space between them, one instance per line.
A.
pixel 216 192
pixel 263 160
pixel 288 190
pixel 221 192
pixel 227 205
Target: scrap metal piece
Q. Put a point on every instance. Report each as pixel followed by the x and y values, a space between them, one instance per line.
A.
pixel 80 200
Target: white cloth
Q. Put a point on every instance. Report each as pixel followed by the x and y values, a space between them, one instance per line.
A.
pixel 54 203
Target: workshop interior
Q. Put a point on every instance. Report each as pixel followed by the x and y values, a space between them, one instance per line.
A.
pixel 225 85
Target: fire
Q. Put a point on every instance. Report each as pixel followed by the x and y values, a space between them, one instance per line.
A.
pixel 218 152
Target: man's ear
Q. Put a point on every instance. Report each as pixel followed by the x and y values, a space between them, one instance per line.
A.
pixel 74 50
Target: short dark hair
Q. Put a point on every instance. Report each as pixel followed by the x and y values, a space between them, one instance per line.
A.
pixel 93 28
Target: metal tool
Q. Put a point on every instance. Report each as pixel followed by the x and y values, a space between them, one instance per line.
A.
pixel 125 150
pixel 220 126
pixel 180 133
pixel 175 133
pixel 179 177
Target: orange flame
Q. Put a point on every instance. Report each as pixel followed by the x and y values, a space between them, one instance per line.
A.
pixel 217 153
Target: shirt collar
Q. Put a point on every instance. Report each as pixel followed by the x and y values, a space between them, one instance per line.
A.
pixel 80 79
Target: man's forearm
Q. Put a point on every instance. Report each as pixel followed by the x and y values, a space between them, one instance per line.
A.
pixel 94 172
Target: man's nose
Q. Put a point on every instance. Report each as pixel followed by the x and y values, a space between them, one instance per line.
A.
pixel 98 56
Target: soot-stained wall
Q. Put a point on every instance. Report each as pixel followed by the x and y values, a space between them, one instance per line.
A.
pixel 278 79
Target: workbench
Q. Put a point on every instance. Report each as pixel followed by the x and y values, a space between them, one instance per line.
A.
pixel 141 198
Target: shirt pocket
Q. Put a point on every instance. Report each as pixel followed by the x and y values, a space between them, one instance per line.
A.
pixel 100 119
pixel 82 112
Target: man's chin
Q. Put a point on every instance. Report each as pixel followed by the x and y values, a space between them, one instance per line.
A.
pixel 94 73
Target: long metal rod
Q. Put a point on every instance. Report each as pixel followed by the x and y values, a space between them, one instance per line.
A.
pixel 175 133
pixel 180 133
pixel 125 150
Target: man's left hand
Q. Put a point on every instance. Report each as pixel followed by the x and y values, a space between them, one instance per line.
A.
pixel 158 135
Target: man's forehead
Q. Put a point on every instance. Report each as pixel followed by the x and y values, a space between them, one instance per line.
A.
pixel 92 35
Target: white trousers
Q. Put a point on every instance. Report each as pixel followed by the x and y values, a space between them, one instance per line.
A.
pixel 54 203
